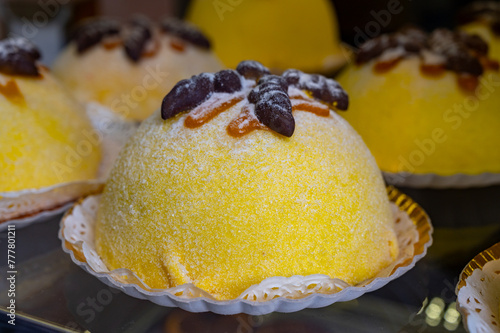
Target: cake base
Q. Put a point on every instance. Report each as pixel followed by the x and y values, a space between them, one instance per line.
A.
pixel 282 294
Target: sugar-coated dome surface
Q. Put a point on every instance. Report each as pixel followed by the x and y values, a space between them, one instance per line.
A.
pixel 199 206
pixel 482 18
pixel 46 138
pixel 422 124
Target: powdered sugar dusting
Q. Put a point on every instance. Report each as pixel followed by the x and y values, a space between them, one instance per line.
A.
pixel 214 101
pixel 19 43
pixel 392 54
pixel 320 87
pixel 431 58
pixel 295 92
pixel 455 51
pixel 209 197
pixel 250 116
pixel 204 96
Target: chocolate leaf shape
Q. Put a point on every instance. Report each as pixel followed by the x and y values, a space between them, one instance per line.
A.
pixel 186 32
pixel 18 57
pixel 135 41
pixel 227 81
pixel 321 88
pixel 92 32
pixel 251 69
pixel 187 94
pixel 274 110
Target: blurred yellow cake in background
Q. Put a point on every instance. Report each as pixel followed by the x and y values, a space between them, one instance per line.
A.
pixel 280 34
pixel 246 176
pixel 483 18
pixel 427 103
pixel 46 138
pixel 129 67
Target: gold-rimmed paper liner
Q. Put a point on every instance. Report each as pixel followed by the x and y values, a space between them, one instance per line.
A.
pixel 471 310
pixel 418 216
pixel 418 221
pixel 478 262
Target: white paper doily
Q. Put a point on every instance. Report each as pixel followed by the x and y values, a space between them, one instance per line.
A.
pixel 478 293
pixel 280 294
pixel 430 180
pixel 26 207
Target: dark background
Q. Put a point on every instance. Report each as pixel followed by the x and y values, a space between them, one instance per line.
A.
pixel 353 16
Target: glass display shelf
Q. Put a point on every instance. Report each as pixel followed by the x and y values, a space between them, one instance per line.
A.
pixel 55 295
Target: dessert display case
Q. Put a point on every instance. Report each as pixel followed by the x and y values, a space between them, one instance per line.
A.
pixel 249 197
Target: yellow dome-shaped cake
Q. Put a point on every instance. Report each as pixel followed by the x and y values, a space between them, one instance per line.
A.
pixel 46 138
pixel 483 18
pixel 129 67
pixel 280 34
pixel 427 104
pixel 238 189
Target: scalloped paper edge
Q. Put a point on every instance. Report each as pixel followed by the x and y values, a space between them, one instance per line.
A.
pixel 202 302
pixel 479 310
pixel 37 218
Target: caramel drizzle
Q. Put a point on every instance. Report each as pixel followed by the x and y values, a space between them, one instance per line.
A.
pixel 245 123
pixel 207 111
pixel 178 45
pixel 152 48
pixel 41 70
pixel 385 66
pixel 11 91
pixel 432 70
pixel 489 64
pixel 310 106
pixel 468 82
pixel 112 42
